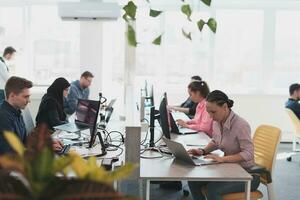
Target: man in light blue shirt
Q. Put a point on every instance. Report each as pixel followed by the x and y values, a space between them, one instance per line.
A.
pixel 8 54
pixel 79 89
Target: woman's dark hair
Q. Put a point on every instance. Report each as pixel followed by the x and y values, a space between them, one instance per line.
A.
pixel 197 78
pixel 200 86
pixel 219 98
pixel 57 88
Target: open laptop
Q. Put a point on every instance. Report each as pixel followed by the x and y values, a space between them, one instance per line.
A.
pixel 179 152
pixel 175 128
pixel 179 115
pixel 86 114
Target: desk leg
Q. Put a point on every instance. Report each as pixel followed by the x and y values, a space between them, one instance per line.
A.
pixel 247 190
pixel 141 188
pixel 147 189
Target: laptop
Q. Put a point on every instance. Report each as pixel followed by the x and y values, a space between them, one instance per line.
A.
pixel 109 109
pixel 86 114
pixel 179 152
pixel 175 128
pixel 180 115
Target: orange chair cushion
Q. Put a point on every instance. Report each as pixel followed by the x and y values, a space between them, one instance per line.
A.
pixel 240 196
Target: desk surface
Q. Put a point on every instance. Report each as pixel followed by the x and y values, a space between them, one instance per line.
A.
pixel 170 168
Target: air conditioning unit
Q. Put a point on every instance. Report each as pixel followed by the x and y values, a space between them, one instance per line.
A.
pixel 89 10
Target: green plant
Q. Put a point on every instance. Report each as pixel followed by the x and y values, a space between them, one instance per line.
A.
pixel 130 10
pixel 42 170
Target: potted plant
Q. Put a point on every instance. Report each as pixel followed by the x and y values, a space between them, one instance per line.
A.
pixel 39 174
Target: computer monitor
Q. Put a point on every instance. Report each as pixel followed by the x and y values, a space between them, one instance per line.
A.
pixel 164 117
pixel 87 112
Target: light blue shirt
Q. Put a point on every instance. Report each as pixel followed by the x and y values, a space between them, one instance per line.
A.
pixel 75 93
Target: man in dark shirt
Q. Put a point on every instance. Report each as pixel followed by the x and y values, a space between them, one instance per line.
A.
pixel 11 119
pixel 293 101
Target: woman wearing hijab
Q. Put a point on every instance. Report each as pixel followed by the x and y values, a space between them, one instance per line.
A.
pixel 51 109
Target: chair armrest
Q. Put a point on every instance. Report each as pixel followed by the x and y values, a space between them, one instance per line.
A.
pixel 262 171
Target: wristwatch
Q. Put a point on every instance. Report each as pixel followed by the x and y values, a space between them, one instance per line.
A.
pixel 203 151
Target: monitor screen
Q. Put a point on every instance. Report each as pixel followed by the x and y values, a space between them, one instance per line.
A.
pixel 87 111
pixel 164 117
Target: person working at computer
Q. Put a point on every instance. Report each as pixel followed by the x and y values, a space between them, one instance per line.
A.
pixel 51 109
pixel 188 107
pixel 202 122
pixel 11 119
pixel 79 89
pixel 8 54
pixel 293 102
pixel 232 135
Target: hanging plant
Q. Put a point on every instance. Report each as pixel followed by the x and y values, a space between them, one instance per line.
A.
pixel 129 16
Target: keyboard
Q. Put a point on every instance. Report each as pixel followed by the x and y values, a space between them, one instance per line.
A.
pixel 64 150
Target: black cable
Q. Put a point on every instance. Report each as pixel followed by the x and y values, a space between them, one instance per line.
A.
pixel 146 121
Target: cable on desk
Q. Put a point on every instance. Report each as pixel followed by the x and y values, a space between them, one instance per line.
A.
pixel 146 120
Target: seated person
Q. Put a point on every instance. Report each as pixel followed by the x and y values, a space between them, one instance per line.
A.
pixel 293 102
pixel 11 119
pixel 51 107
pixel 78 90
pixel 202 122
pixel 188 107
pixel 232 134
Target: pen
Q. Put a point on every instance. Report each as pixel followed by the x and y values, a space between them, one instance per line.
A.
pixel 195 145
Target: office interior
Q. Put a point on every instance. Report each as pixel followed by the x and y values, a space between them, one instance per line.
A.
pixel 253 57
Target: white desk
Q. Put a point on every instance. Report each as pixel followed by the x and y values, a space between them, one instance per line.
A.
pixel 170 169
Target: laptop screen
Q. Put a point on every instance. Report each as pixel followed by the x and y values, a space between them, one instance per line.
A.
pixel 87 111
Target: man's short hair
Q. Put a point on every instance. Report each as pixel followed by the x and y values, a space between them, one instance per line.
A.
pixel 8 50
pixel 16 85
pixel 87 74
pixel 294 87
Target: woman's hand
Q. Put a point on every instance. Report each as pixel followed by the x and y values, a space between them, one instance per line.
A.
pixel 215 158
pixel 57 145
pixel 195 152
pixel 182 123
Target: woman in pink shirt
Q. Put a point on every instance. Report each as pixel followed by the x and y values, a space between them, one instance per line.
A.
pixel 202 122
pixel 232 135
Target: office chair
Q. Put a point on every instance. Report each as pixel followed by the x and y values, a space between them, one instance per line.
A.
pixel 296 124
pixel 29 123
pixel 265 140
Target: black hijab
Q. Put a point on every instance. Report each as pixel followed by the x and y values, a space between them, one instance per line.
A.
pixel 57 88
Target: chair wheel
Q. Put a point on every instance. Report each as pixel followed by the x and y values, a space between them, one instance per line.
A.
pixel 186 193
pixel 289 159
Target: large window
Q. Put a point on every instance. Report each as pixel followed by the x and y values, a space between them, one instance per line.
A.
pixel 238 50
pixel 47 47
pixel 287 49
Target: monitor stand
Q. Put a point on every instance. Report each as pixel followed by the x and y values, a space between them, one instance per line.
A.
pixel 103 147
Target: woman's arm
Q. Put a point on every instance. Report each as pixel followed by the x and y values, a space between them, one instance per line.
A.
pixel 180 109
pixel 211 146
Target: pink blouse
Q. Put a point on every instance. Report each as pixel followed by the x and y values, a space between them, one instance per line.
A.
pixel 202 122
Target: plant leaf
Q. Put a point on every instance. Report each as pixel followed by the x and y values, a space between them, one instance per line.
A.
pixel 131 36
pixel 157 41
pixel 154 13
pixel 61 163
pixel 14 142
pixel 187 35
pixel 121 172
pixel 200 24
pixel 79 166
pixel 130 10
pixel 43 164
pixel 186 9
pixel 212 24
pixel 206 2
pixel 12 163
